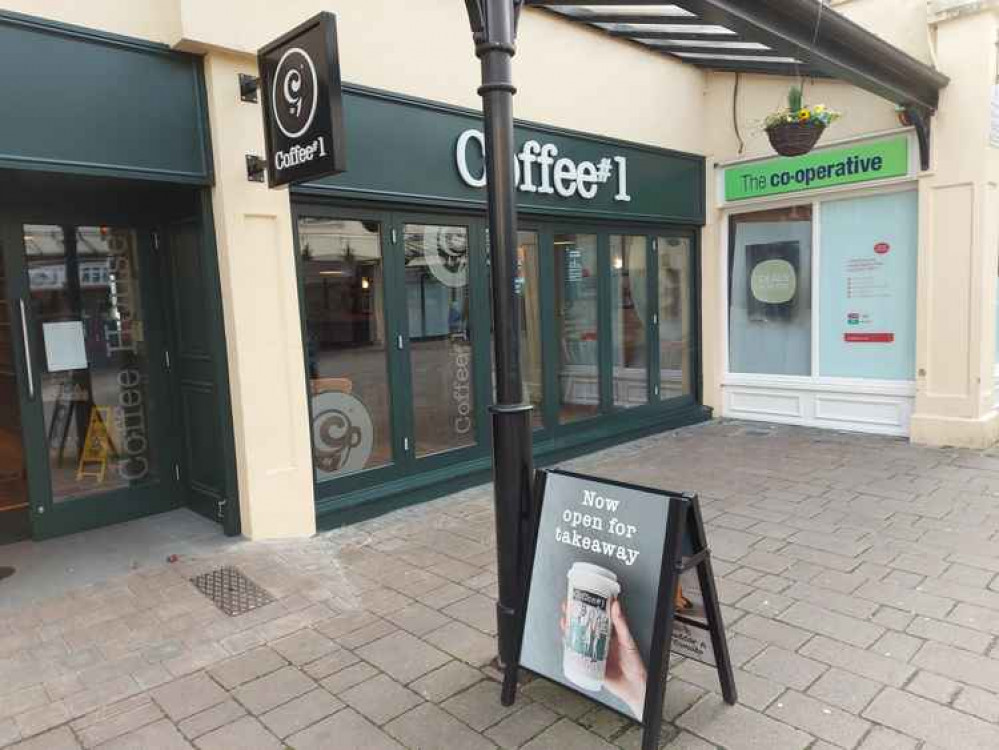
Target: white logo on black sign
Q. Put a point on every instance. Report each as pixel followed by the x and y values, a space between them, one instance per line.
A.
pixel 295 92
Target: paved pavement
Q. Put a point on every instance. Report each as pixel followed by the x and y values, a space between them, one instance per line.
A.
pixel 858 575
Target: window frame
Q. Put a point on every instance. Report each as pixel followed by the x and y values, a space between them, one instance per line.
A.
pixel 815 379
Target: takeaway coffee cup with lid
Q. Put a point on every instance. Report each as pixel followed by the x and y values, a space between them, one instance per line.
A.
pixel 588 624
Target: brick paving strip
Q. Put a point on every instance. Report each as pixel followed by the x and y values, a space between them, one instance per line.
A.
pixel 858 577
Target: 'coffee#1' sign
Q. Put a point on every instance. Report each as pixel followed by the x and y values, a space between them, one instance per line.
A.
pixel 302 103
pixel 539 168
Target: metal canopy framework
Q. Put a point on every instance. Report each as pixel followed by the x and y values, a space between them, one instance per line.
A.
pixel 782 37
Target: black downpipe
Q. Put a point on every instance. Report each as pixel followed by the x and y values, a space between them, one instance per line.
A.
pixel 494 28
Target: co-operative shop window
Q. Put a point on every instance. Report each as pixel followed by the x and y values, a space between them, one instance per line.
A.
pixel 770 295
pixel 867 298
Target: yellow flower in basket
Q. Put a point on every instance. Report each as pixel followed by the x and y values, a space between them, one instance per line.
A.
pixel 804 115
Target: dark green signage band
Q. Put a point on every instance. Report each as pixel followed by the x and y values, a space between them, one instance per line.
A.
pixel 840 166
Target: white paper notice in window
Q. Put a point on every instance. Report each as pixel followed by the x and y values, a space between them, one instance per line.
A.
pixel 64 346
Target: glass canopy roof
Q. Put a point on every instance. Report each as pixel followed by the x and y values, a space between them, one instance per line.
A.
pixel 678 30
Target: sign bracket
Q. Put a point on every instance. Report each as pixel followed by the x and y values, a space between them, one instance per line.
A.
pixel 248 88
pixel 302 103
pixel 256 168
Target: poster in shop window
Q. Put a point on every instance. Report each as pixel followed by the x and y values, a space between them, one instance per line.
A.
pixel 868 287
pixel 772 279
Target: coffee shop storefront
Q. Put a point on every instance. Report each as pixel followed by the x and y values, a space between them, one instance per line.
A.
pixel 394 290
pixel 114 400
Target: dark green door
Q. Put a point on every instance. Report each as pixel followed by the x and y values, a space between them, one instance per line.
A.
pixel 93 384
pixel 197 364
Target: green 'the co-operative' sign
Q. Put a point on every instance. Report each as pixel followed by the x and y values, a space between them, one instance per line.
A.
pixel 838 166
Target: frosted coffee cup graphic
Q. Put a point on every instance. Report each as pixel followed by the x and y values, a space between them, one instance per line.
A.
pixel 586 642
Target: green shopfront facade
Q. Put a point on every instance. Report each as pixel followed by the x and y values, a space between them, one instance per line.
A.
pixel 394 286
pixel 114 390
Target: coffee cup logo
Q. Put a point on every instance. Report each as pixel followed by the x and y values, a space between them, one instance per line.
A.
pixel 342 433
pixel 295 92
pixel 448 261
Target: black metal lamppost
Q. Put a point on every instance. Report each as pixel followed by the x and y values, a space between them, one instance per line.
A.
pixel 494 28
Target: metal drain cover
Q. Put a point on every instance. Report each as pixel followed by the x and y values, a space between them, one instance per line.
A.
pixel 231 591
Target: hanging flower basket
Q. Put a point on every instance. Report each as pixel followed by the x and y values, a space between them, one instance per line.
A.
pixel 795 130
pixel 795 138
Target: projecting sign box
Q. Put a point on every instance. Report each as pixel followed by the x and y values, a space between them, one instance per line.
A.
pixel 302 103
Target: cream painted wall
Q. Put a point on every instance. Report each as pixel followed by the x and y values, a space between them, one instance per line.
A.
pixel 899 22
pixel 959 233
pixel 263 333
pixel 424 49
pixel 759 95
pixel 154 20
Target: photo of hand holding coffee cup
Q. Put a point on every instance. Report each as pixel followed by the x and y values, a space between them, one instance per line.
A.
pixel 595 580
pixel 599 651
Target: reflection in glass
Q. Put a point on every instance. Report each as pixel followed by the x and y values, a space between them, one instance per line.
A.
pixel 629 318
pixel 440 335
pixel 576 325
pixel 528 293
pixel 86 299
pixel 674 317
pixel 770 292
pixel 344 296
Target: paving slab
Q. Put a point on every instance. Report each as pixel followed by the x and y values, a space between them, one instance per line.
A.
pixel 344 730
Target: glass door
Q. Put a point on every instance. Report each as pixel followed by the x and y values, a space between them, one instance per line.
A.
pixel 443 356
pixel 14 517
pixel 390 339
pixel 673 318
pixel 351 341
pixel 94 394
pixel 630 319
pixel 577 325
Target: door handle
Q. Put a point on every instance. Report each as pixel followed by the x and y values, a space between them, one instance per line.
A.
pixel 27 351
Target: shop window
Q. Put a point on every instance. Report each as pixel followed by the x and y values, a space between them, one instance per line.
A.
pixel 343 295
pixel 770 299
pixel 675 342
pixel 576 325
pixel 440 334
pixel 867 294
pixel 629 319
